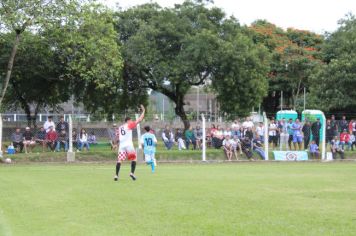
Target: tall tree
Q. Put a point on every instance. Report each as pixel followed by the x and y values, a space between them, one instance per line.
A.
pixel 171 49
pixel 334 82
pixel 17 16
pixel 295 53
pixel 37 68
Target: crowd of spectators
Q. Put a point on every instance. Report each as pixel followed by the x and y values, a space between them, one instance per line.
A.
pixel 248 137
pixel 50 136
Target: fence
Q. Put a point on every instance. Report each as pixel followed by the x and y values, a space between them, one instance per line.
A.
pixel 253 141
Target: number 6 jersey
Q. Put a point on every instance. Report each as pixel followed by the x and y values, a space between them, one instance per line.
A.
pixel 125 133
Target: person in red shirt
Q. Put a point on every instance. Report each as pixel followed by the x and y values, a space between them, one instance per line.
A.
pixel 345 139
pixel 51 138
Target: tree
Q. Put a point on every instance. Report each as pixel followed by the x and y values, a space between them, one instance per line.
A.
pixel 169 50
pixel 18 16
pixel 295 54
pixel 334 82
pixel 36 67
pixel 86 44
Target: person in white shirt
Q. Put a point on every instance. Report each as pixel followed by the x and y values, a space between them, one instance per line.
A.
pixel 260 131
pixel 228 148
pixel 272 133
pixel 48 124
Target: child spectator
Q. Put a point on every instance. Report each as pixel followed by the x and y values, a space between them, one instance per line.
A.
pixel 92 138
pixel 198 133
pixel 10 149
pixel 236 146
pixel 314 149
pixel 228 147
pixel 83 140
pixel 190 138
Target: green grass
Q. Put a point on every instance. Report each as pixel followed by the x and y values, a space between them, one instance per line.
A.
pixel 199 199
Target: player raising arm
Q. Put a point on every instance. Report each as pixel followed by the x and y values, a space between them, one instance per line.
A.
pixel 149 142
pixel 126 147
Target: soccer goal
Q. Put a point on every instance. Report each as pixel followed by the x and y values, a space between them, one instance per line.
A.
pixel 286 139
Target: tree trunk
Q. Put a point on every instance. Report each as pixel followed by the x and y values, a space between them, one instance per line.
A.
pixel 179 109
pixel 9 67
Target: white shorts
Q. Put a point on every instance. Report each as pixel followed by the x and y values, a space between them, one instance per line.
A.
pixel 149 157
pixel 29 142
pixel 126 152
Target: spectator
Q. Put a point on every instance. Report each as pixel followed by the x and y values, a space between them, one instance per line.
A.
pixel 258 147
pixel 336 148
pixel 235 125
pixel 48 124
pixel 83 140
pixel 236 131
pixel 343 124
pixel 314 150
pixel 212 135
pixel 113 135
pixel 228 132
pixel 290 133
pixel 28 140
pixel 345 139
pixel 297 134
pixel 51 138
pixel 218 137
pixel 315 129
pixel 334 125
pixel 330 132
pixel 249 133
pixel 272 133
pixel 352 127
pixel 236 146
pixel 352 141
pixel 198 132
pixel 246 147
pixel 228 147
pixel 180 141
pixel 92 138
pixel 247 124
pixel 10 149
pixel 62 141
pixel 62 125
pixel 260 132
pixel 41 138
pixel 283 131
pixel 17 140
pixel 190 138
pixel 168 138
pixel 306 133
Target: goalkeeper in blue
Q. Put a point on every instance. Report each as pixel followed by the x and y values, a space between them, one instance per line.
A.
pixel 149 142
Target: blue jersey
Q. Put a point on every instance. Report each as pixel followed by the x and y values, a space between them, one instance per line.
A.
pixel 149 141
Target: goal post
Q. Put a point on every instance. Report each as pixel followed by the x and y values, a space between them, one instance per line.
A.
pixel 265 124
pixel 204 138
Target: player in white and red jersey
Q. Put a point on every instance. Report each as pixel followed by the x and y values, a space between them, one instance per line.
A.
pixel 126 147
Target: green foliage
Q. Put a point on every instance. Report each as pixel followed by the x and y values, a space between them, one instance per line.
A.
pixel 172 49
pixel 334 83
pixel 37 67
pixel 295 54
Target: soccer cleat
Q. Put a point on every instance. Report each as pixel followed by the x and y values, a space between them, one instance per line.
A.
pixel 116 178
pixel 133 177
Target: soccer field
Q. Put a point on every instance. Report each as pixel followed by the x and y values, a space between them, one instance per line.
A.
pixel 187 199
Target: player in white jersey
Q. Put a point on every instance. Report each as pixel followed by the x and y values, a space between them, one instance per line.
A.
pixel 149 142
pixel 126 147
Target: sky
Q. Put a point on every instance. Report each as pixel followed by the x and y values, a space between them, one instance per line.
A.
pixel 319 16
